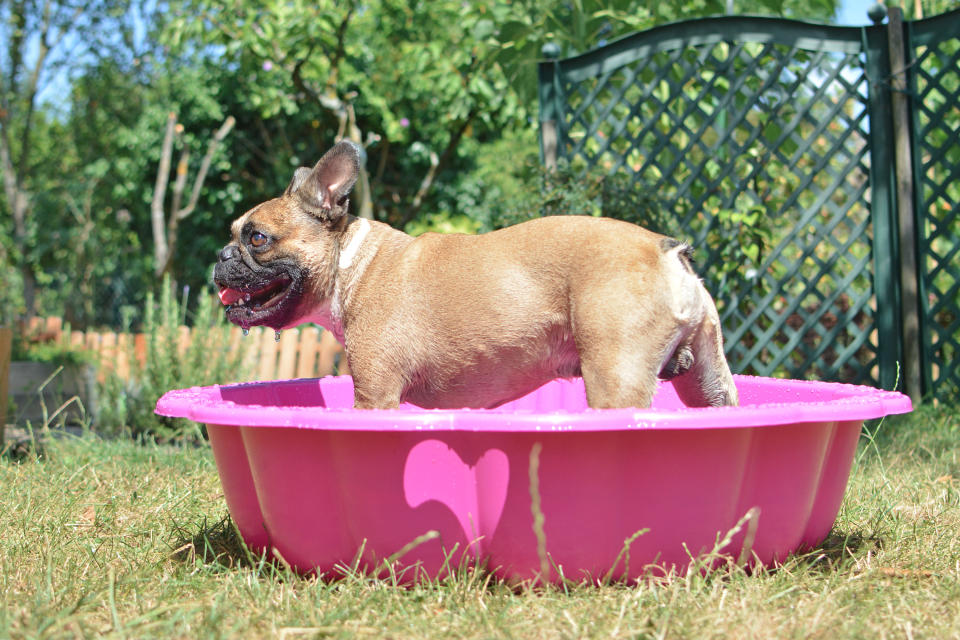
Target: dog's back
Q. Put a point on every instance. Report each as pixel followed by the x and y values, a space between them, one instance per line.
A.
pixel 488 318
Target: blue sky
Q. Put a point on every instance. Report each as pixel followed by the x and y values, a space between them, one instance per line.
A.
pixel 854 12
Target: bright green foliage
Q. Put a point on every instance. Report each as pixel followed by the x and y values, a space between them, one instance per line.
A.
pixel 738 240
pixel 510 185
pixel 408 81
pixel 919 9
pixel 441 94
pixel 138 113
pixel 518 30
pixel 41 44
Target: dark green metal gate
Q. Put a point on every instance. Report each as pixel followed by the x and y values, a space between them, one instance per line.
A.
pixel 934 90
pixel 770 142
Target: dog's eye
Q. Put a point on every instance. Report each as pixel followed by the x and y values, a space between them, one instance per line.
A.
pixel 258 239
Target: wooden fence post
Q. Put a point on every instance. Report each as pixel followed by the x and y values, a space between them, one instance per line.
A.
pixel 286 365
pixel 909 307
pixel 302 353
pixel 307 352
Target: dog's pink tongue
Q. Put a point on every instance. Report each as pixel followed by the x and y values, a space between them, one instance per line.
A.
pixel 228 296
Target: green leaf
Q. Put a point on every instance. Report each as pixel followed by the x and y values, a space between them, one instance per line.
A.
pixel 514 31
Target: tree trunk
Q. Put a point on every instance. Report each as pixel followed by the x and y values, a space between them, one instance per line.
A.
pixel 19 200
pixel 165 225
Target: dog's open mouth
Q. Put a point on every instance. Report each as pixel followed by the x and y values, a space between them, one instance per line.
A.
pixel 248 307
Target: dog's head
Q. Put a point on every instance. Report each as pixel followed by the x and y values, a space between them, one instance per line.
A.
pixel 282 257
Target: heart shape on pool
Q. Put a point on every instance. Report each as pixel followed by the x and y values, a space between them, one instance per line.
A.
pixel 475 495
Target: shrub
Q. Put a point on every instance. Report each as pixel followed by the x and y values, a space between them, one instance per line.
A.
pixel 56 353
pixel 509 185
pixel 126 405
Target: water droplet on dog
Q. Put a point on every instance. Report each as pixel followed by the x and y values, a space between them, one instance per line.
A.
pixel 276 336
pixel 246 332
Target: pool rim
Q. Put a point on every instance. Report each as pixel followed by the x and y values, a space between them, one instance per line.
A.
pixel 851 403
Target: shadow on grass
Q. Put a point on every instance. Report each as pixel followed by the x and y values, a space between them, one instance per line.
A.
pixel 30 445
pixel 216 544
pixel 22 450
pixel 220 546
pixel 838 549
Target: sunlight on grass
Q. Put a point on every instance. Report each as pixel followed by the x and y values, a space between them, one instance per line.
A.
pixel 114 539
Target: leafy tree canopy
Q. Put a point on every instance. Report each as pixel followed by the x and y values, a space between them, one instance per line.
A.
pixel 440 94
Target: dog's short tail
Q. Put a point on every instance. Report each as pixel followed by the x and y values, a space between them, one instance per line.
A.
pixel 684 252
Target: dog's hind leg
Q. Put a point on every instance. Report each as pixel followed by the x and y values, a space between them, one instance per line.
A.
pixel 611 385
pixel 619 361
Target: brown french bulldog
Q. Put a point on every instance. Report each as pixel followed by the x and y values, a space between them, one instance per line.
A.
pixel 450 321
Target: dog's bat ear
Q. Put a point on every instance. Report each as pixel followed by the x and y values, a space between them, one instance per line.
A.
pixel 298 177
pixel 323 192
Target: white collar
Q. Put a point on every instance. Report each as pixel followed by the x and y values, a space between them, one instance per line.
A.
pixel 350 251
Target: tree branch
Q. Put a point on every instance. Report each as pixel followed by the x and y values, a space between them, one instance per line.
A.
pixel 180 183
pixel 31 97
pixel 160 249
pixel 438 163
pixel 18 32
pixel 176 213
pixel 218 137
pixel 341 50
pixel 426 183
pixel 6 165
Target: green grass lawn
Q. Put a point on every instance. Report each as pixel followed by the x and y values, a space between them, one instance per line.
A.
pixel 114 539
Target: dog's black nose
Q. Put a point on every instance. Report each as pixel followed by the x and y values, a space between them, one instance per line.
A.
pixel 229 252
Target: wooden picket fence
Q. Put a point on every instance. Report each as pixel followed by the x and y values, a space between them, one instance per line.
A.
pixel 304 352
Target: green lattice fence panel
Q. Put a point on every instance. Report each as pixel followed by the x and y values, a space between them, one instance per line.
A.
pixel 754 134
pixel 936 107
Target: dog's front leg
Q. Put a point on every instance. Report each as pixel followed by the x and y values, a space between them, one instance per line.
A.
pixel 378 398
pixel 381 390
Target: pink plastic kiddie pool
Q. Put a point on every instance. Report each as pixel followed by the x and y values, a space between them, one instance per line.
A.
pixel 540 483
